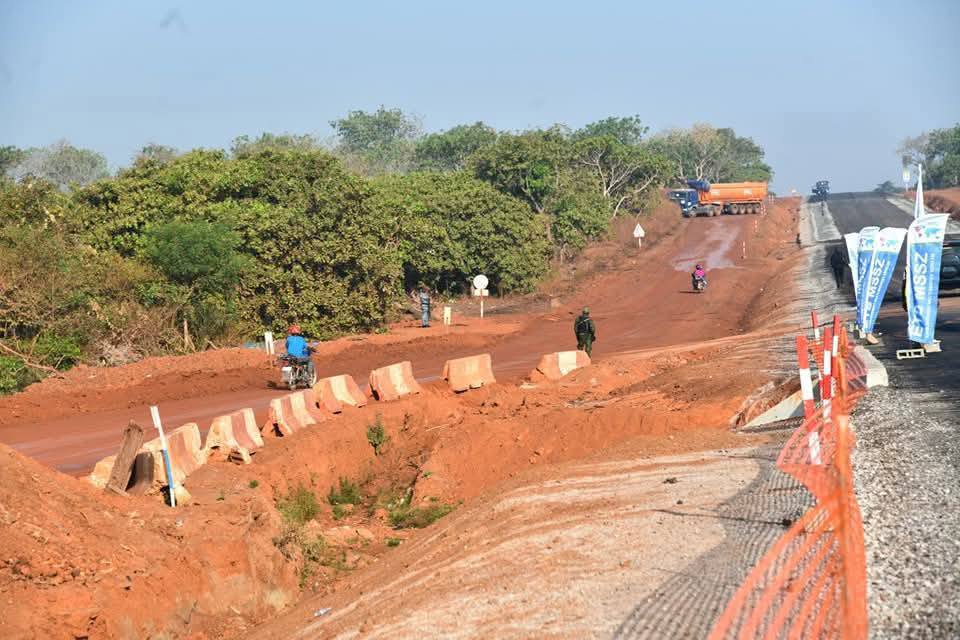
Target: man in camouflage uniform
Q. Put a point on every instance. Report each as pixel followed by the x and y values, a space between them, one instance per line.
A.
pixel 585 331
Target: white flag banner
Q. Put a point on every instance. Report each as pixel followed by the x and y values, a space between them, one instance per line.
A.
pixel 853 252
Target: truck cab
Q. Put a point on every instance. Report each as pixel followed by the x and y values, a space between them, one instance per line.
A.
pixel 686 198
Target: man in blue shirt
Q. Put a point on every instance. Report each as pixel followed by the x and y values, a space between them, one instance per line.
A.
pixel 297 347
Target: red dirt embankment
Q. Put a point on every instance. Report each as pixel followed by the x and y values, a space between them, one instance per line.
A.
pixel 944 201
pixel 78 562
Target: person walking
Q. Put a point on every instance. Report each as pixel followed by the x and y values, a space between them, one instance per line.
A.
pixel 424 307
pixel 839 263
pixel 585 331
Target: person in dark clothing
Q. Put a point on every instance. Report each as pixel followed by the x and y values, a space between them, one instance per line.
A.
pixel 585 331
pixel 424 307
pixel 839 263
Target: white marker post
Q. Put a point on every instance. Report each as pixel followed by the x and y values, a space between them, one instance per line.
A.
pixel 447 315
pixel 639 233
pixel 171 483
pixel 480 283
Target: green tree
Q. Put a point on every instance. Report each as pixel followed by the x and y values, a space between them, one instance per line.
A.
pixel 527 165
pixel 704 152
pixel 382 141
pixel 202 259
pixel 625 173
pixel 886 188
pixel 628 130
pixel 31 201
pixel 243 146
pixel 449 227
pixel 448 150
pixel 942 158
pixel 318 254
pixel 62 164
pixel 546 169
pixel 153 152
pixel 10 157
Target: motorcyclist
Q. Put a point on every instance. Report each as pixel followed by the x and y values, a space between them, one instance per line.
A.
pixel 298 348
pixel 585 331
pixel 699 274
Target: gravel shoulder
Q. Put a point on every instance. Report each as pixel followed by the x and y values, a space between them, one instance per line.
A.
pixel 907 475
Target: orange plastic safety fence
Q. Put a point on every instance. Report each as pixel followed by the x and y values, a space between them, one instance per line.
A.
pixel 812 582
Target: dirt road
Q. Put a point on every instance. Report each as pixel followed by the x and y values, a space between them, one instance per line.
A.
pixel 646 304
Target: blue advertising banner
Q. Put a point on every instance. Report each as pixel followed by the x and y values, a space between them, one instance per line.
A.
pixel 864 253
pixel 886 249
pixel 924 253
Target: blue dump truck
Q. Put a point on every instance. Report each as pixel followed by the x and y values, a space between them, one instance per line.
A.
pixel 821 189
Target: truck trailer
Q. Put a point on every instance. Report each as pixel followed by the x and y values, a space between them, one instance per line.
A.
pixel 705 199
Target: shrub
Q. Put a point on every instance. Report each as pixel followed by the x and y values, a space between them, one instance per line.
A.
pixel 348 493
pixel 376 435
pixel 299 506
pixel 406 517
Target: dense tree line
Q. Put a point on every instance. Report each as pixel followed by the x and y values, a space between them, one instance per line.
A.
pixel 183 250
pixel 939 151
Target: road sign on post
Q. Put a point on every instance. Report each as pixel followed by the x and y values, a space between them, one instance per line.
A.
pixel 480 283
pixel 638 233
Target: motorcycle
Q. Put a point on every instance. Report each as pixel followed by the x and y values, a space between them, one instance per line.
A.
pixel 699 284
pixel 296 372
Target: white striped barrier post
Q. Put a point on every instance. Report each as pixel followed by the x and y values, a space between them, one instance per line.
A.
pixel 806 382
pixel 816 325
pixel 826 376
pixel 835 353
pixel 171 483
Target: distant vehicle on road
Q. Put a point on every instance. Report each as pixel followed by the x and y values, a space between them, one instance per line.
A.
pixel 949 268
pixel 821 189
pixel 704 199
pixel 950 265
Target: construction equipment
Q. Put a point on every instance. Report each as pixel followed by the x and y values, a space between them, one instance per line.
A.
pixel 821 189
pixel 705 199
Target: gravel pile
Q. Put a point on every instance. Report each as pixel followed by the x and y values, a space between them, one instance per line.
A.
pixel 907 476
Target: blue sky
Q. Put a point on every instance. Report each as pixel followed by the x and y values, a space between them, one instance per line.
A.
pixel 828 88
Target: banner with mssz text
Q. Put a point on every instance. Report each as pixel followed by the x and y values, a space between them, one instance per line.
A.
pixel 924 253
pixel 852 241
pixel 865 241
pixel 883 261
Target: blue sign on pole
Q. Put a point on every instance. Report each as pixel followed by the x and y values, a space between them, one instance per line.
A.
pixel 886 248
pixel 924 254
pixel 868 236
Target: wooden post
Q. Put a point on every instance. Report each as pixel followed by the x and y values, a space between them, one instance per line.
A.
pixel 123 465
pixel 187 342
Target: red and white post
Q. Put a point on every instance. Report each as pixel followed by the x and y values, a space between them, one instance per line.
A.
pixel 816 325
pixel 806 381
pixel 826 376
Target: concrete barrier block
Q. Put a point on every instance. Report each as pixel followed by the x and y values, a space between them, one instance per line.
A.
pixel 334 392
pixel 393 381
pixel 556 365
pixel 236 431
pixel 471 372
